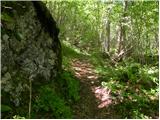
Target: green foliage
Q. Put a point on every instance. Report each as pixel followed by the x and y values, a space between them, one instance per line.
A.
pixel 136 86
pixel 70 85
pixel 6 17
pixel 83 31
pixel 134 73
pixel 128 73
pixel 70 52
pixel 143 108
pixel 149 76
pixel 48 100
pixel 139 115
pixel 18 117
pixel 83 24
pixel 5 108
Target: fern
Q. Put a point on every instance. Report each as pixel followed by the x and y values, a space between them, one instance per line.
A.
pixel 71 84
pixel 48 100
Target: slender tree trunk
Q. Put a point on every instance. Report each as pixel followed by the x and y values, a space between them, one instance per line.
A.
pixel 108 36
pixel 122 31
pixel 119 39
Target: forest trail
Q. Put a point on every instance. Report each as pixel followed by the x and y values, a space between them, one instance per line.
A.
pixel 94 99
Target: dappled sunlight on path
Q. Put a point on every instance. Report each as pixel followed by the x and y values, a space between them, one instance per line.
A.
pixel 84 71
pixel 95 99
pixel 101 102
pixel 102 94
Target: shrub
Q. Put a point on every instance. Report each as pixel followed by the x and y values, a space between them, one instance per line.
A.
pixel 70 85
pixel 48 100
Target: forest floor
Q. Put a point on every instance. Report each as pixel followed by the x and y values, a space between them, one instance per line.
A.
pixel 112 92
pixel 95 100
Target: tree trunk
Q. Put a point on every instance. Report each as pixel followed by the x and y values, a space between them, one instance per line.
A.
pixel 108 36
pixel 119 40
pixel 122 31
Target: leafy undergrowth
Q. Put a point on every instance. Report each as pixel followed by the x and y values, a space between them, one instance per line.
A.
pixel 55 102
pixel 70 52
pixel 49 101
pixel 134 89
pixel 69 86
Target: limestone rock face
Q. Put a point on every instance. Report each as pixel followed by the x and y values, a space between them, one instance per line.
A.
pixel 29 51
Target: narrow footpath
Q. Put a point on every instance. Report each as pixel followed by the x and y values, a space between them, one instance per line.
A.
pixel 95 100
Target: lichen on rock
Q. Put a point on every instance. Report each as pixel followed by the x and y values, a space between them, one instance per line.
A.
pixel 27 51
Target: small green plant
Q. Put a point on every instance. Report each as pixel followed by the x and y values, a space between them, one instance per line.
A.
pixel 70 84
pixel 5 108
pixel 128 72
pixel 18 117
pixel 149 76
pixel 138 115
pixel 48 101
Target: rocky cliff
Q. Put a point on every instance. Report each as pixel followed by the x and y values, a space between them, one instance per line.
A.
pixel 30 50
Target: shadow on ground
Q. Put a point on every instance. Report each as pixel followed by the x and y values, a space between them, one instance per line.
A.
pixel 94 98
pixel 98 102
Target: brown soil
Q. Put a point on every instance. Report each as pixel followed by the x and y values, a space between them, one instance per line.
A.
pixel 94 100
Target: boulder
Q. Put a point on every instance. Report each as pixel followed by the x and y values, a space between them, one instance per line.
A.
pixel 30 50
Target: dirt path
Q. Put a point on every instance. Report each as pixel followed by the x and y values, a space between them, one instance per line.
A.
pixel 95 100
